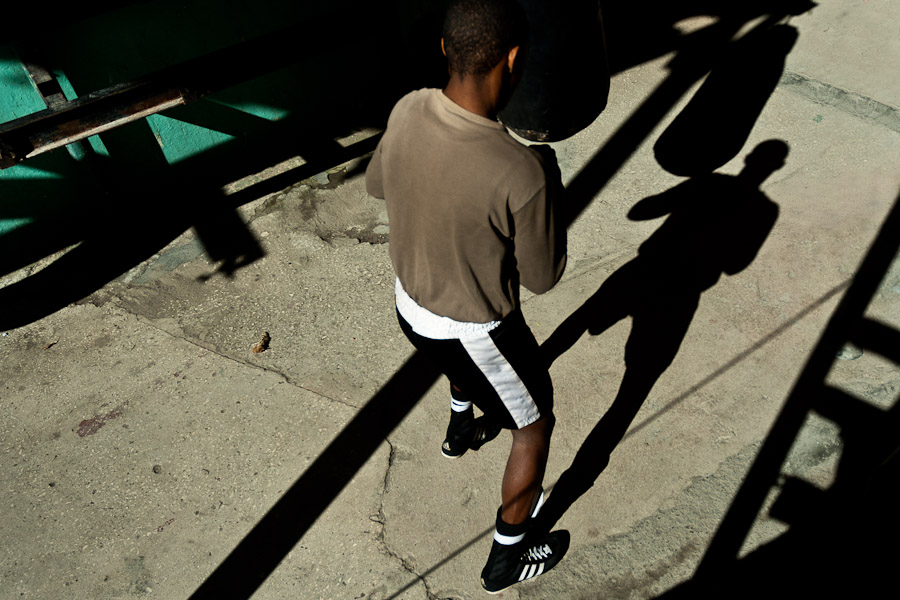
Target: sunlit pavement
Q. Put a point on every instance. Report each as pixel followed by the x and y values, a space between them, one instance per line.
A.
pixel 143 440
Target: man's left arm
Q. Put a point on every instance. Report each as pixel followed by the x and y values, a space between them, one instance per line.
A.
pixel 540 231
pixel 374 176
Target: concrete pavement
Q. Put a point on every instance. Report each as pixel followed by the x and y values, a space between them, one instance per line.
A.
pixel 143 440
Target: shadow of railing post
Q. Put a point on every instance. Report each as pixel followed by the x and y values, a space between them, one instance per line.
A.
pixel 862 425
pixel 261 551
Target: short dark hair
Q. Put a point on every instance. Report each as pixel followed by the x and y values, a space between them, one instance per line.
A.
pixel 478 34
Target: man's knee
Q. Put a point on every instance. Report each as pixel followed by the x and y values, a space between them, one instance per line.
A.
pixel 549 424
pixel 537 432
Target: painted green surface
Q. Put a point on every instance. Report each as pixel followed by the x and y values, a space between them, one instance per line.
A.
pixel 19 98
pixel 119 47
pixel 144 37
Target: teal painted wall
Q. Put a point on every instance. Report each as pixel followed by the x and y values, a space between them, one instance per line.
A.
pixel 19 98
pixel 139 39
pixel 123 45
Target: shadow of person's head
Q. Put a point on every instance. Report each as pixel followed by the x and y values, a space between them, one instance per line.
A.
pixel 768 157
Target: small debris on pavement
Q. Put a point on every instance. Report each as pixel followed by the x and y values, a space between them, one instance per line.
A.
pixel 849 352
pixel 263 344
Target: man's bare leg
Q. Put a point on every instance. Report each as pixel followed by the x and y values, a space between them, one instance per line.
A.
pixel 513 556
pixel 525 469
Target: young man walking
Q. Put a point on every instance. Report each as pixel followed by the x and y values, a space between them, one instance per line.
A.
pixel 474 214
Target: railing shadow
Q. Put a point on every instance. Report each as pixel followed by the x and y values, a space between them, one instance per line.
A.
pixel 119 217
pixel 840 539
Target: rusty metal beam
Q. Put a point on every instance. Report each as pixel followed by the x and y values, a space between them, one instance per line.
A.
pixel 89 115
pixel 46 84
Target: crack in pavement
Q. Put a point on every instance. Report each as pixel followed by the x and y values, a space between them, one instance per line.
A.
pixel 848 102
pixel 210 348
pixel 380 518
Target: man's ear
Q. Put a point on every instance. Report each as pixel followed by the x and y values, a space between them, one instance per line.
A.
pixel 511 57
pixel 444 50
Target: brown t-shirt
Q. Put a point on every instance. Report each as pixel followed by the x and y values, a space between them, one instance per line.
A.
pixel 471 210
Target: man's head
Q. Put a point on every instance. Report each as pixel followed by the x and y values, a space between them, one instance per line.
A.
pixel 479 34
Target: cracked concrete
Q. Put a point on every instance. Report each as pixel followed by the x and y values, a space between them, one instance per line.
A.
pixel 103 501
pixel 287 379
pixel 852 103
pixel 380 518
pixel 142 439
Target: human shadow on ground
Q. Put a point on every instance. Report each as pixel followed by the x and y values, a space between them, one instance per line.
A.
pixel 758 58
pixel 716 224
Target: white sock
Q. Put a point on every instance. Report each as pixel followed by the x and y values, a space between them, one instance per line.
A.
pixel 459 405
pixel 538 503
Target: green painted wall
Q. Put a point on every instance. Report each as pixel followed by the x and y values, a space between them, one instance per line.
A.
pixel 123 45
pixel 141 38
pixel 18 98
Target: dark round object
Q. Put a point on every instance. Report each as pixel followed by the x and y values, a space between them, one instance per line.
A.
pixel 565 77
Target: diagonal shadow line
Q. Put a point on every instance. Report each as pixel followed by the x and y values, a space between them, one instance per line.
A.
pixel 222 233
pixel 218 116
pixel 442 562
pixel 740 357
pixel 308 169
pixel 772 335
pixel 260 552
pixel 835 530
pixel 737 522
pixel 273 537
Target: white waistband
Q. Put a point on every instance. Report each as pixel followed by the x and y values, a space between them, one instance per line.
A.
pixel 432 326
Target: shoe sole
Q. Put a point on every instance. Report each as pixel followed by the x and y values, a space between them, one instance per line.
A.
pixel 500 591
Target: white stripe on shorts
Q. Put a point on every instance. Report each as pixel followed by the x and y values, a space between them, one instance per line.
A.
pixel 504 379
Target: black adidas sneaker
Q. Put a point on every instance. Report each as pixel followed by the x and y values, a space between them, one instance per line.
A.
pixel 464 436
pixel 508 565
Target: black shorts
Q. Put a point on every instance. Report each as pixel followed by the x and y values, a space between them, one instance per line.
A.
pixel 501 371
